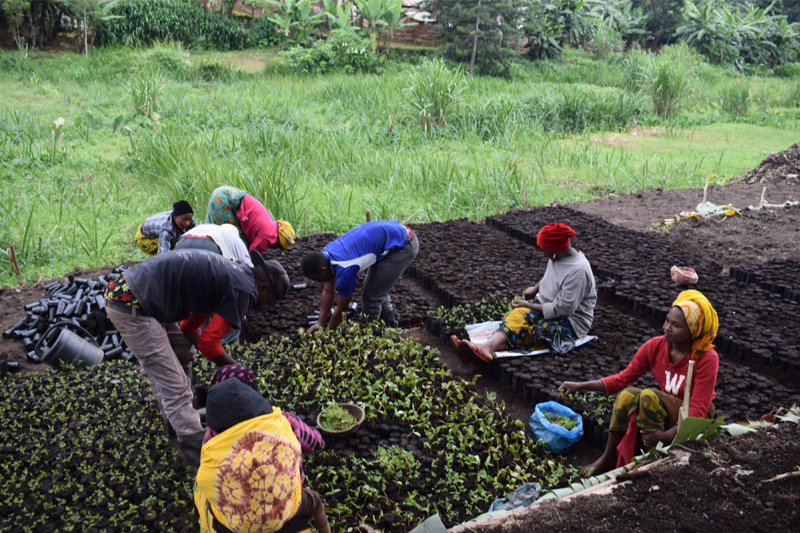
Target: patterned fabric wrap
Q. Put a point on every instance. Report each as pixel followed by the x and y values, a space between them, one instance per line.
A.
pixel 309 438
pixel 701 318
pixel 148 246
pixel 118 291
pixel 249 476
pixel 524 328
pixel 240 372
pixel 222 207
pixel 654 410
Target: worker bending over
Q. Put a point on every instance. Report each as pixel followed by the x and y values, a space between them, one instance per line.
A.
pixel 384 248
pixel 257 228
pixel 160 232
pixel 146 301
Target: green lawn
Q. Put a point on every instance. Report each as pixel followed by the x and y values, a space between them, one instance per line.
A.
pixel 320 150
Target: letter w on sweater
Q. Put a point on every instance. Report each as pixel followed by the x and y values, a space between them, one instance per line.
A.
pixel 674 382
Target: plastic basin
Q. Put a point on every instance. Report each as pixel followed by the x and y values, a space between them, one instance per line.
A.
pixel 354 410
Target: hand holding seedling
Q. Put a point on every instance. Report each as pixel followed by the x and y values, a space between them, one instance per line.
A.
pixel 519 303
pixel 530 292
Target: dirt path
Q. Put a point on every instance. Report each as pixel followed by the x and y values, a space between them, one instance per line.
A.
pixel 751 238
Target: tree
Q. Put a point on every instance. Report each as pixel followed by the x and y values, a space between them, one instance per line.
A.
pixel 665 17
pixel 483 32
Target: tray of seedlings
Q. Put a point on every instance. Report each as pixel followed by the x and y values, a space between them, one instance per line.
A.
pixel 428 442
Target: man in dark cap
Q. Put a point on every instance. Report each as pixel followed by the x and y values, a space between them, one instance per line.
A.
pixel 146 301
pixel 160 232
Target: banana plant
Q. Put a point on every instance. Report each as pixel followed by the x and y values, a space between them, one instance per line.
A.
pixel 295 20
pixel 373 12
pixel 340 16
pixel 395 21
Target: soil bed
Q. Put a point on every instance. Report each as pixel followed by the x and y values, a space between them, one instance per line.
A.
pixel 723 488
pixel 463 448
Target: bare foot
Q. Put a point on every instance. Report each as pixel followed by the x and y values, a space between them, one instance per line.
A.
pixel 469 353
pixel 602 465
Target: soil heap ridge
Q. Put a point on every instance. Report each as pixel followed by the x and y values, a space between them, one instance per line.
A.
pixel 778 166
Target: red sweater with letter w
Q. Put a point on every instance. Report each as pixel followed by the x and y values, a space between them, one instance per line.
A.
pixel 654 356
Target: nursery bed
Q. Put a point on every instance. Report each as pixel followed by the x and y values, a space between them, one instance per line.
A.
pixel 723 488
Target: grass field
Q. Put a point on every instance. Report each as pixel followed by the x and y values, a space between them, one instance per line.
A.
pixel 318 151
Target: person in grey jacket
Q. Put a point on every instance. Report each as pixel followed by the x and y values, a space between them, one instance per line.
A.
pixel 561 305
pixel 147 301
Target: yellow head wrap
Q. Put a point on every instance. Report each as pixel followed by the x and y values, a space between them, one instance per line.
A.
pixel 285 234
pixel 701 319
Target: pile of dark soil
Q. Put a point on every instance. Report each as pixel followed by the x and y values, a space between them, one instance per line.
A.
pixel 753 236
pixel 725 487
pixel 778 166
pixel 463 262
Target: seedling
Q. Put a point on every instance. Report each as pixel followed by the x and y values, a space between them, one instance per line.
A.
pixel 563 421
pixel 335 418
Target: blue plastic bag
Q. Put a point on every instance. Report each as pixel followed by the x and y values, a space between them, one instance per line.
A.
pixel 557 439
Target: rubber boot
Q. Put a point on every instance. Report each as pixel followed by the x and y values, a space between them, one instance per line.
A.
pixel 389 318
pixel 190 450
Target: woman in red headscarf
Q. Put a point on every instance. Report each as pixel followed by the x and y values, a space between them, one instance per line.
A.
pixel 561 304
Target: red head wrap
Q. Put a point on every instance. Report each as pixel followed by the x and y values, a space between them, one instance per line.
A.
pixel 554 237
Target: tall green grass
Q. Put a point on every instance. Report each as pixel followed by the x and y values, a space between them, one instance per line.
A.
pixel 319 151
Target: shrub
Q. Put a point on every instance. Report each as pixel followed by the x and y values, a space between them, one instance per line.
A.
pixel 264 33
pixel 168 57
pixel 637 65
pixel 576 109
pixel 492 118
pixel 214 70
pixel 146 89
pixel 672 79
pixel 792 98
pixel 788 70
pixel 137 22
pixel 667 79
pixel 343 51
pixel 435 93
pixel 606 39
pixel 735 97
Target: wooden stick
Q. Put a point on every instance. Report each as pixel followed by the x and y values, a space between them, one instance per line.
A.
pixel 763 194
pixel 705 189
pixel 367 215
pixel 12 257
pixel 687 394
pixel 525 195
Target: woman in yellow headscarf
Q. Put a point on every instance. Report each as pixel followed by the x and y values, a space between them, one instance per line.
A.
pixel 257 228
pixel 689 332
pixel 250 477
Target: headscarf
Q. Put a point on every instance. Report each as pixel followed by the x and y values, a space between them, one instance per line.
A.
pixel 240 372
pixel 701 317
pixel 285 234
pixel 554 237
pixel 224 373
pixel 181 208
